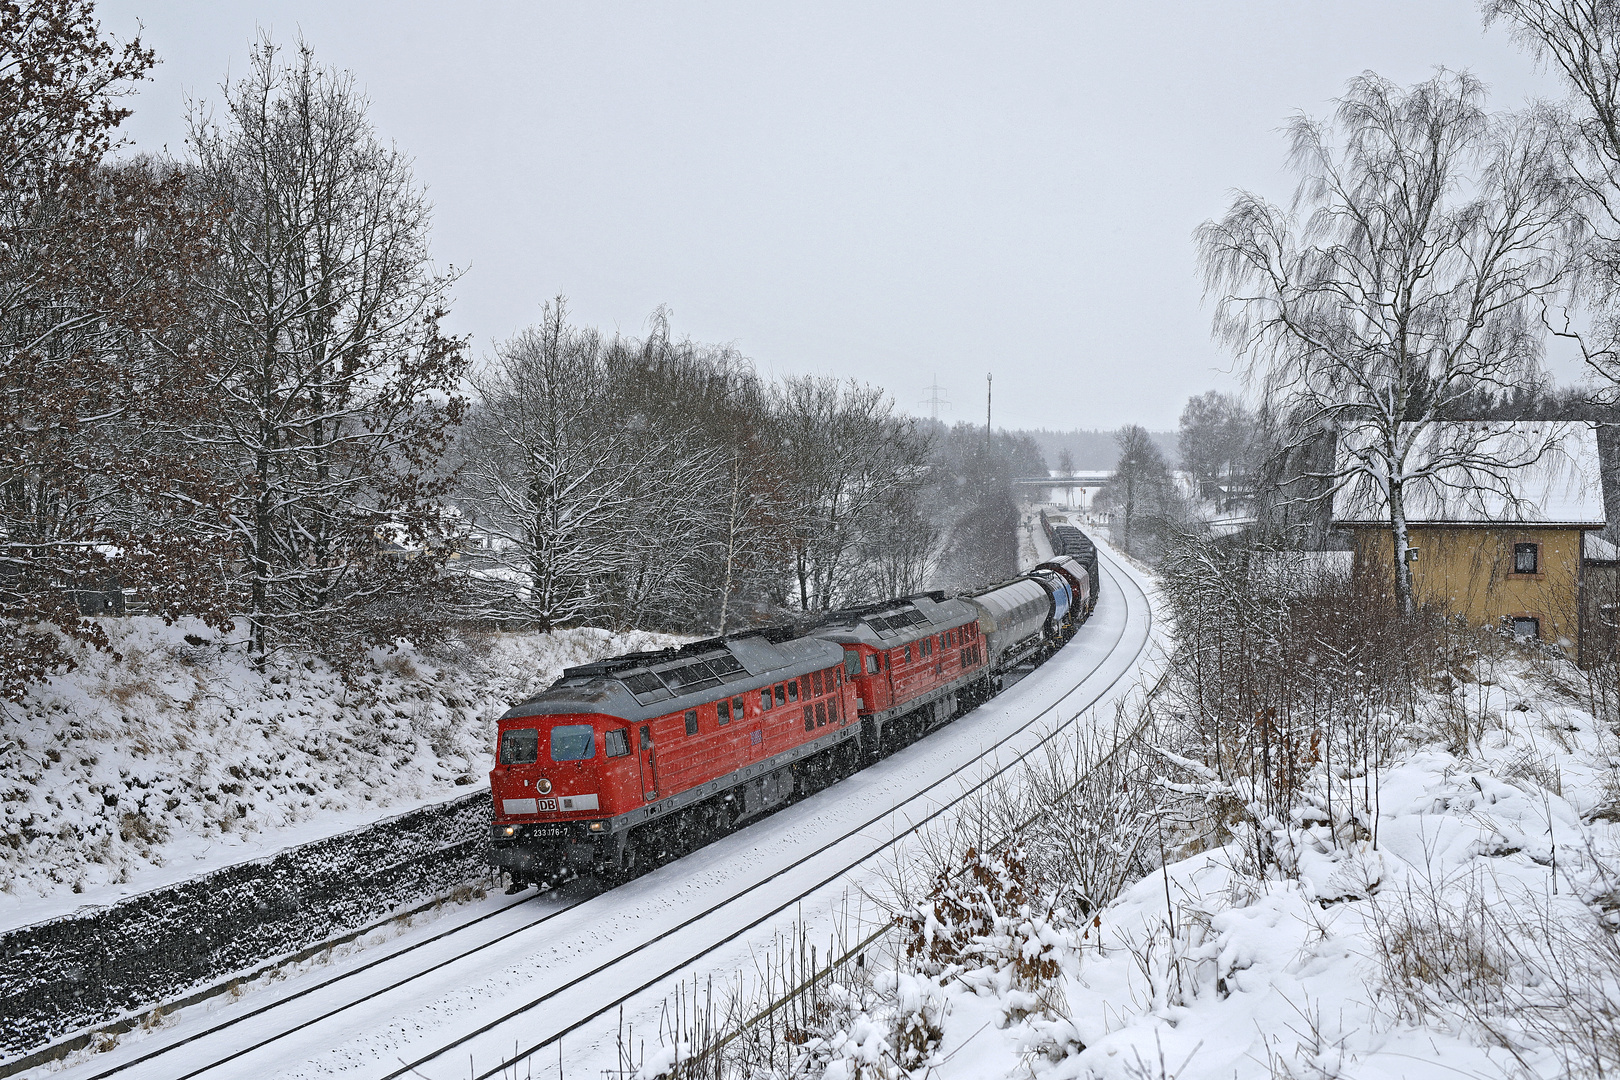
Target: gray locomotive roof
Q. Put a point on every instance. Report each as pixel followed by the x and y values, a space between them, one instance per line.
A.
pixel 900 623
pixel 644 685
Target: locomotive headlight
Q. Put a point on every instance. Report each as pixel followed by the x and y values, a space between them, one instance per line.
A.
pixel 510 830
pixel 598 826
pixel 543 786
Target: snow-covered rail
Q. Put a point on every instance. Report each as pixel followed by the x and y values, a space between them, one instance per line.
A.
pixel 375 1017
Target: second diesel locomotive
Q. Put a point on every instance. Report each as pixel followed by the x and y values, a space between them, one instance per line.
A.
pixel 643 757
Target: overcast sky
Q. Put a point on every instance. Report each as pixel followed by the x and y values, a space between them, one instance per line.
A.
pixel 890 192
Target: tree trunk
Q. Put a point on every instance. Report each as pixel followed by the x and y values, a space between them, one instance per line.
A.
pixel 1402 541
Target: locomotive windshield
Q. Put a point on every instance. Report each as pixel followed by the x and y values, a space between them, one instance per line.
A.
pixel 520 746
pixel 572 742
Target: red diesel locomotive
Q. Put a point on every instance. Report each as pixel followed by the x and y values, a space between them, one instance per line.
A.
pixel 643 757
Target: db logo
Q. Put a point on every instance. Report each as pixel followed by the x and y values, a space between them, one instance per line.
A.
pixel 545 804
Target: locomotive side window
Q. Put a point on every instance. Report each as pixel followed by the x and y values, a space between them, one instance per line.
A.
pixel 722 712
pixel 737 707
pixel 646 737
pixel 871 664
pixel 691 721
pixel 572 742
pixel 781 694
pixel 908 654
pixel 616 743
pixel 765 699
pixel 520 746
pixel 793 690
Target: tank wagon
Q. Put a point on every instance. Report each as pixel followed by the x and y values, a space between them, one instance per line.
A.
pixel 631 761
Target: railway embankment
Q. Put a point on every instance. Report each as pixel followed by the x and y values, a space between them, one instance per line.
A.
pixel 175 754
pixel 82 976
pixel 1335 844
pixel 174 815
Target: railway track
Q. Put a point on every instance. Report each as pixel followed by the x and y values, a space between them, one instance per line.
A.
pixel 491 1032
pixel 263 1027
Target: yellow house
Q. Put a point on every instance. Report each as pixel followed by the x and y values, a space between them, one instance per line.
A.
pixel 1500 547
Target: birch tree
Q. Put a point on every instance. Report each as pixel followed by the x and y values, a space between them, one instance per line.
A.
pixel 1410 272
pixel 341 387
pixel 1579 40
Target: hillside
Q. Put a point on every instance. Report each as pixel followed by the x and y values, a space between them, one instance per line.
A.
pixel 175 753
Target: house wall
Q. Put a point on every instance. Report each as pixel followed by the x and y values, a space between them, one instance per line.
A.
pixel 1469 572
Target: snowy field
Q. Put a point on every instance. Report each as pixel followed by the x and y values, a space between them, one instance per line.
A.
pixel 566 962
pixel 178 755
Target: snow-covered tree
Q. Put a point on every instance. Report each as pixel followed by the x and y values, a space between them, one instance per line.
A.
pixel 843 451
pixel 101 369
pixel 340 385
pixel 1426 234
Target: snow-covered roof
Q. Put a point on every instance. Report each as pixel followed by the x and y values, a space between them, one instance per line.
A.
pixel 1596 549
pixel 1546 473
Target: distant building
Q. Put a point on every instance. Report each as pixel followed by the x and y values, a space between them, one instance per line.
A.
pixel 1507 552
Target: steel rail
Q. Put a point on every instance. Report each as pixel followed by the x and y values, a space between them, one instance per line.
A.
pixel 520 1056
pixel 415 975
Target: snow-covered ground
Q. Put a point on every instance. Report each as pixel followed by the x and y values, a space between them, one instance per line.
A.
pixel 1470 932
pixel 175 754
pixel 713 913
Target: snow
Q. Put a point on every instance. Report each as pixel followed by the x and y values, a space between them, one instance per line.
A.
pixel 805 866
pixel 175 754
pixel 1471 935
pixel 1550 468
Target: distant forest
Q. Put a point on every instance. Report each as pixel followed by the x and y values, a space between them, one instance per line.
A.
pixel 1093 449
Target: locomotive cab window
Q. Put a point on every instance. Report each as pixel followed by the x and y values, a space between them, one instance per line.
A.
pixel 852 662
pixel 1526 558
pixel 872 664
pixel 722 712
pixel 572 742
pixel 616 743
pixel 520 746
pixel 691 721
pixel 737 707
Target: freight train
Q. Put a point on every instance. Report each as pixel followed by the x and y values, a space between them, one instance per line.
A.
pixel 631 761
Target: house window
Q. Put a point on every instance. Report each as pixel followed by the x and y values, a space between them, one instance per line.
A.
pixel 1526 628
pixel 1526 559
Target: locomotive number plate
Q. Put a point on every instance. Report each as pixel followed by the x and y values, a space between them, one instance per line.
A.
pixel 546 804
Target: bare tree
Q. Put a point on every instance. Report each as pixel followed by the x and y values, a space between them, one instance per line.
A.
pixel 1217 443
pixel 843 450
pixel 1425 235
pixel 589 511
pixel 100 365
pixel 341 387
pixel 1580 40
pixel 1142 488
